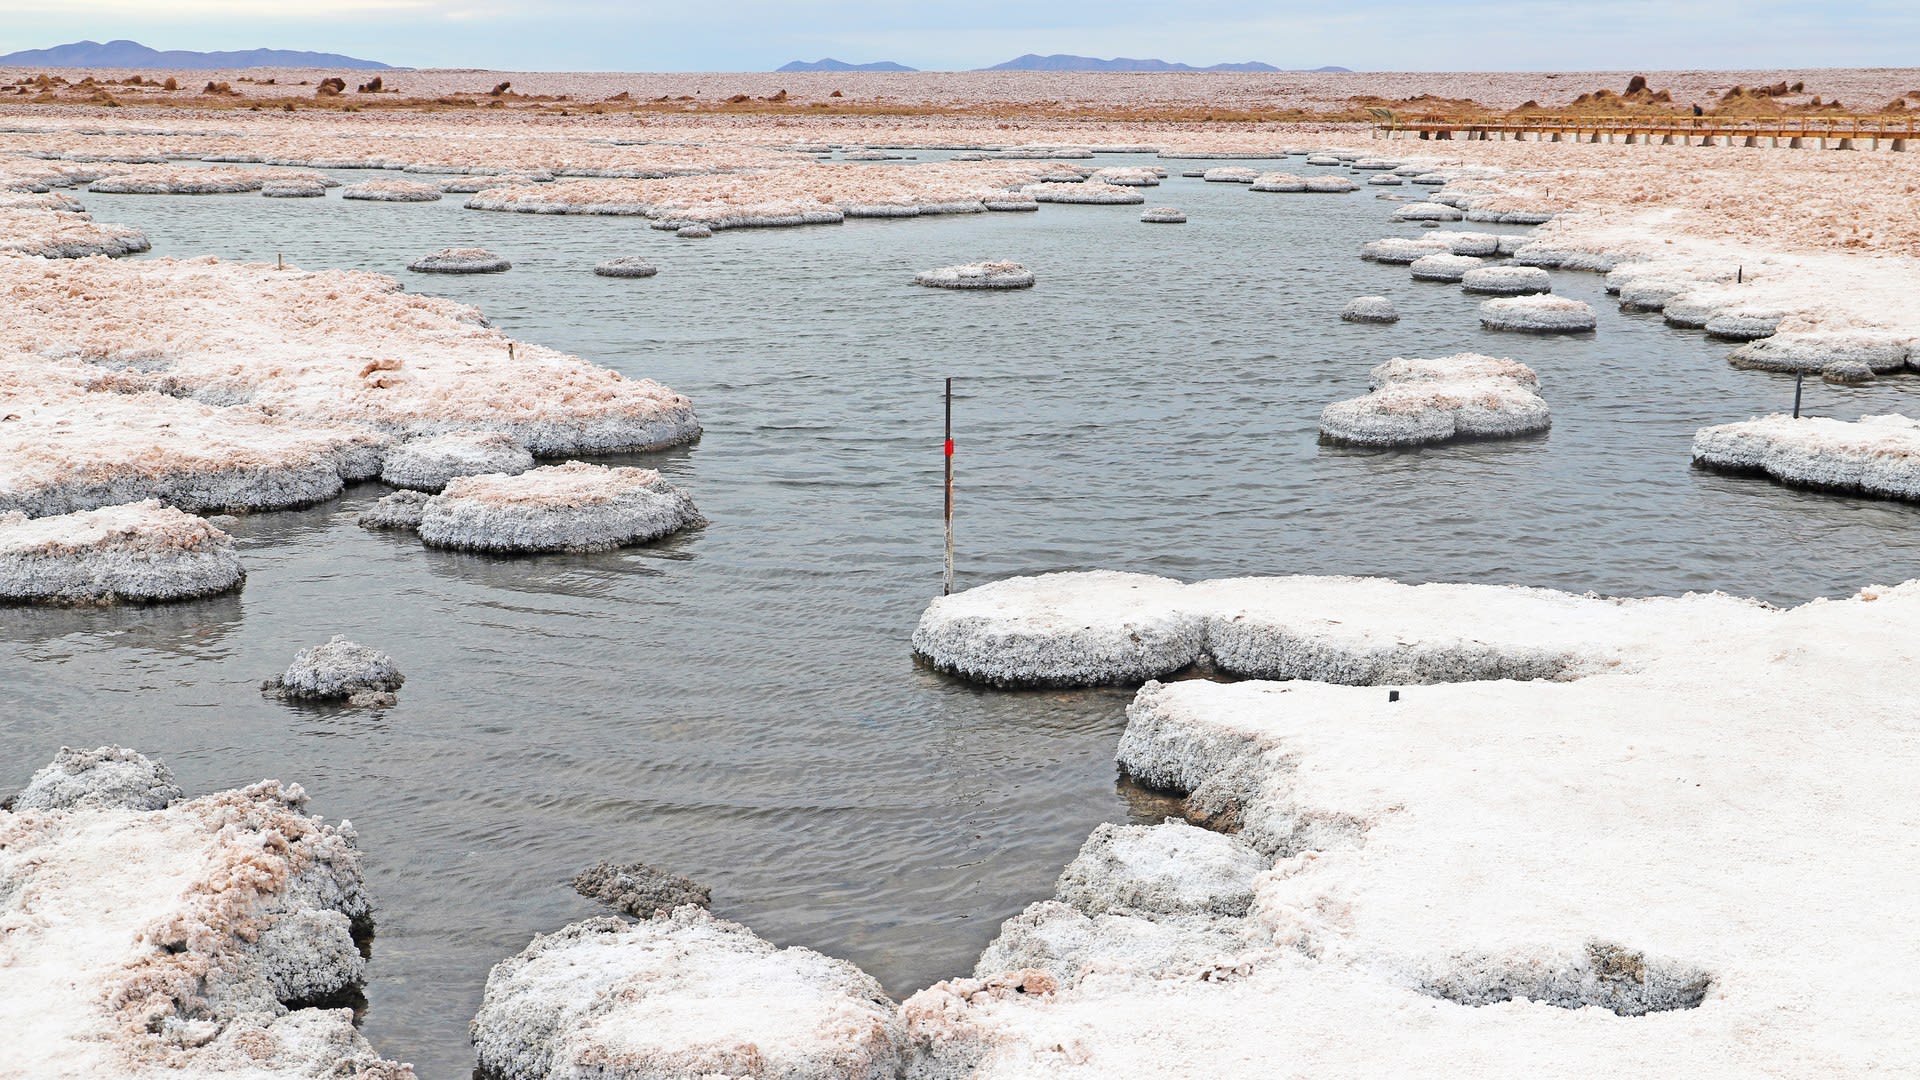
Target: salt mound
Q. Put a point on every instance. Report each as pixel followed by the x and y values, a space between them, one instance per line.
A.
pixel 173 180
pixel 106 778
pixel 1168 869
pixel 639 890
pixel 400 510
pixel 570 507
pixel 391 191
pixel 1742 325
pixel 1507 280
pixel 1877 455
pixel 1847 373
pixel 1426 211
pixel 1279 181
pixel 1092 192
pixel 1400 250
pixel 1230 174
pixel 626 266
pixel 684 995
pixel 1322 159
pixel 1370 309
pixel 693 232
pixel 1543 253
pixel 1386 180
pixel 1164 215
pixel 340 670
pixel 141 552
pixel 1542 314
pixel 60 234
pixel 1086 629
pixel 1879 351
pixel 1690 312
pixel 1443 267
pixel 293 189
pixel 985 275
pixel 1128 176
pixel 428 464
pixel 1466 243
pixel 1652 294
pixel 1375 164
pixel 1414 402
pixel 150 935
pixel 1331 184
pixel 469 260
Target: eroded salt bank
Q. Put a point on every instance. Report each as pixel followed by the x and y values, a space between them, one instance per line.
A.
pixel 428 464
pixel 1466 396
pixel 1876 455
pixel 141 552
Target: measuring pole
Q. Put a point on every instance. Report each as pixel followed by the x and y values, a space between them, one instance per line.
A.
pixel 1798 376
pixel 947 588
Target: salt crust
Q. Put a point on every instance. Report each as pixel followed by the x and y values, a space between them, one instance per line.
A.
pixel 1877 455
pixel 982 275
pixel 1539 314
pixel 1279 181
pixel 1413 402
pixel 1230 174
pixel 1507 280
pixel 638 889
pixel 391 191
pixel 1164 215
pixel 1879 351
pixel 682 995
pixel 1466 243
pixel 1370 309
pixel 467 260
pixel 340 670
pixel 1426 211
pixel 626 266
pixel 144 934
pixel 428 464
pixel 175 180
pixel 1093 192
pixel 1443 267
pixel 140 552
pixel 293 189
pixel 575 506
pixel 400 510
pixel 1401 250
pixel 64 234
pixel 1421 919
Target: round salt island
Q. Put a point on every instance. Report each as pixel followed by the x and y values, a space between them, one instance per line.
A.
pixel 626 266
pixel 572 507
pixel 1369 309
pixel 695 231
pixel 985 275
pixel 1164 215
pixel 1427 211
pixel 1330 185
pixel 1400 250
pixel 391 191
pixel 293 189
pixel 1414 402
pixel 1230 174
pixel 1507 280
pixel 1540 314
pixel 1443 267
pixel 1279 181
pixel 340 670
pixel 428 464
pixel 144 552
pixel 471 260
pixel 1742 326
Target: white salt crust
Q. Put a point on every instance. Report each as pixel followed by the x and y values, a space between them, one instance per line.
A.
pixel 340 670
pixel 428 464
pixel 1164 215
pixel 1415 402
pixel 391 191
pixel 571 507
pixel 149 935
pixel 1385 180
pixel 1421 919
pixel 140 552
pixel 1539 314
pixel 1169 869
pixel 468 260
pixel 982 275
pixel 1370 309
pixel 1330 185
pixel 1877 456
pixel 1506 280
pixel 626 266
pixel 1129 176
pixel 1443 267
pixel 682 995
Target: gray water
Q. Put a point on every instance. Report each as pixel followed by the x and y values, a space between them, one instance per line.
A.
pixel 738 703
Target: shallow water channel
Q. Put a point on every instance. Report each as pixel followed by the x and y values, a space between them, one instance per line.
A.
pixel 738 704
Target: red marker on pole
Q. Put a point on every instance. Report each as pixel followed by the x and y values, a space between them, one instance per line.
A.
pixel 947 587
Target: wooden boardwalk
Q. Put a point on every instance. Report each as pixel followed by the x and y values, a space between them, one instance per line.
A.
pixel 1814 132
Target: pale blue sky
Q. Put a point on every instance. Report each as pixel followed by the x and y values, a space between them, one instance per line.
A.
pixel 751 35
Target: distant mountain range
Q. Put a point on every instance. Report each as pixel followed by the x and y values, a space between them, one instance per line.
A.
pixel 132 54
pixel 830 64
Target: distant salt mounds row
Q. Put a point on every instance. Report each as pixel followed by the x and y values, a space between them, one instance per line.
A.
pixel 575 506
pixel 140 552
pixel 1105 628
pixel 1415 402
pixel 985 275
pixel 1877 456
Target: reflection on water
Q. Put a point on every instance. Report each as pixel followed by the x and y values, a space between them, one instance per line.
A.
pixel 738 703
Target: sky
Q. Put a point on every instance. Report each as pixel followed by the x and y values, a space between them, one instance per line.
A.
pixel 757 35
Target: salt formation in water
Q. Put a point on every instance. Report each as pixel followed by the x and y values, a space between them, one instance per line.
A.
pixel 638 889
pixel 468 260
pixel 1443 267
pixel 1401 250
pixel 140 552
pixel 293 189
pixel 1330 184
pixel 1506 280
pixel 1540 314
pixel 693 232
pixel 1370 309
pixel 400 510
pixel 1742 325
pixel 340 670
pixel 1652 294
pixel 1690 312
pixel 1279 181
pixel 171 180
pixel 570 507
pixel 1413 402
pixel 626 266
pixel 1091 192
pixel 428 464
pixel 1879 351
pixel 1164 215
pixel 1847 373
pixel 1877 455
pixel 147 934
pixel 1230 174
pixel 1385 180
pixel 1128 176
pixel 683 995
pixel 1168 869
pixel 985 275
pixel 1466 243
pixel 104 778
pixel 391 191
pixel 62 233
pixel 1426 211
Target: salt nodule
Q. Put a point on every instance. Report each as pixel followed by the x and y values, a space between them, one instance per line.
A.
pixel 682 995
pixel 1369 309
pixel 1545 253
pixel 983 275
pixel 1414 402
pixel 626 266
pixel 141 552
pixel 1322 159
pixel 1164 215
pixel 427 464
pixel 467 260
pixel 1538 314
pixel 1507 280
pixel 638 889
pixel 1876 455
pixel 1426 211
pixel 1230 174
pixel 1879 351
pixel 340 670
pixel 1443 267
pixel 151 934
pixel 391 191
pixel 571 507
pixel 1401 250
pixel 1652 294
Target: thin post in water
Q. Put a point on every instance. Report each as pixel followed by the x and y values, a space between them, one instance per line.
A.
pixel 946 588
pixel 1798 378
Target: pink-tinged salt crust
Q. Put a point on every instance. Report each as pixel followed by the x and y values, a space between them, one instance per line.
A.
pixel 191 180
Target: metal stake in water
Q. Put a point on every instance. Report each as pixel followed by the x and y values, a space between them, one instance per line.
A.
pixel 1798 378
pixel 946 588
